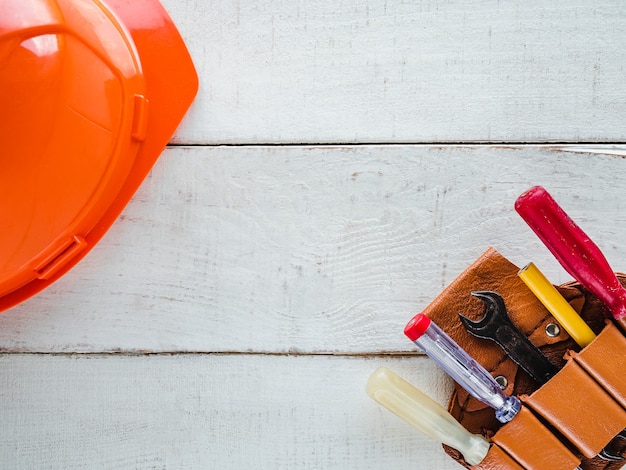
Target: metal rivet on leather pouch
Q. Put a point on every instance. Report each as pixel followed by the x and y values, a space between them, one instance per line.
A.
pixel 552 330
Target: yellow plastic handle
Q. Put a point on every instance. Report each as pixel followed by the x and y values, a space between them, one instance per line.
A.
pixel 556 305
pixel 423 413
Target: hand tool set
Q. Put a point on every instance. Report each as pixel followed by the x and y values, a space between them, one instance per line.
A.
pixel 549 360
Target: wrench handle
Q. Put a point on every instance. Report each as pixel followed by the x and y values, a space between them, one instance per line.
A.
pixel 576 252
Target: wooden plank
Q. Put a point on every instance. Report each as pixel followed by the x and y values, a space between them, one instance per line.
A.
pixel 308 250
pixel 198 411
pixel 328 71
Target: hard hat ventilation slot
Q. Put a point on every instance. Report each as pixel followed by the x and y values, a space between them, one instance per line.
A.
pixel 140 118
pixel 60 257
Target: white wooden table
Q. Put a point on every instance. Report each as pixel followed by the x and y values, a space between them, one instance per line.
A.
pixel 343 162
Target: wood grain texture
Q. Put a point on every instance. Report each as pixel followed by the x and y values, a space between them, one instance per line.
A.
pixel 308 249
pixel 198 412
pixel 232 315
pixel 326 71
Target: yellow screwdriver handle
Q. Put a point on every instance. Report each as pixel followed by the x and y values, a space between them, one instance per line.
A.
pixel 422 412
pixel 556 305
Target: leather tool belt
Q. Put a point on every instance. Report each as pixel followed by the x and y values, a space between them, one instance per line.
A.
pixel 567 421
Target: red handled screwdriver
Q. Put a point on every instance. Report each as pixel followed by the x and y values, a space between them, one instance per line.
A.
pixel 576 252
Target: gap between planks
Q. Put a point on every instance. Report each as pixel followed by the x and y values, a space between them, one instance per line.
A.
pixel 378 354
pixel 469 143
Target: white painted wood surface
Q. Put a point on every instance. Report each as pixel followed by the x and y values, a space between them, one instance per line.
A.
pixel 231 317
pixel 396 71
pixel 307 249
pixel 198 411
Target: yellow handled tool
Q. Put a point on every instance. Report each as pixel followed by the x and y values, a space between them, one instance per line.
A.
pixel 556 305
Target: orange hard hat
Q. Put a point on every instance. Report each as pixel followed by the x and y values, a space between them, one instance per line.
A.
pixel 91 91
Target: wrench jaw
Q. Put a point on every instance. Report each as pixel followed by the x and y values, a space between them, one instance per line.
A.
pixel 478 330
pixel 484 328
pixel 496 325
pixel 494 304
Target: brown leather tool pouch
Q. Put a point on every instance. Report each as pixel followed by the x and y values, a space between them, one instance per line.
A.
pixel 579 408
pixel 497 459
pixel 605 360
pixel 571 418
